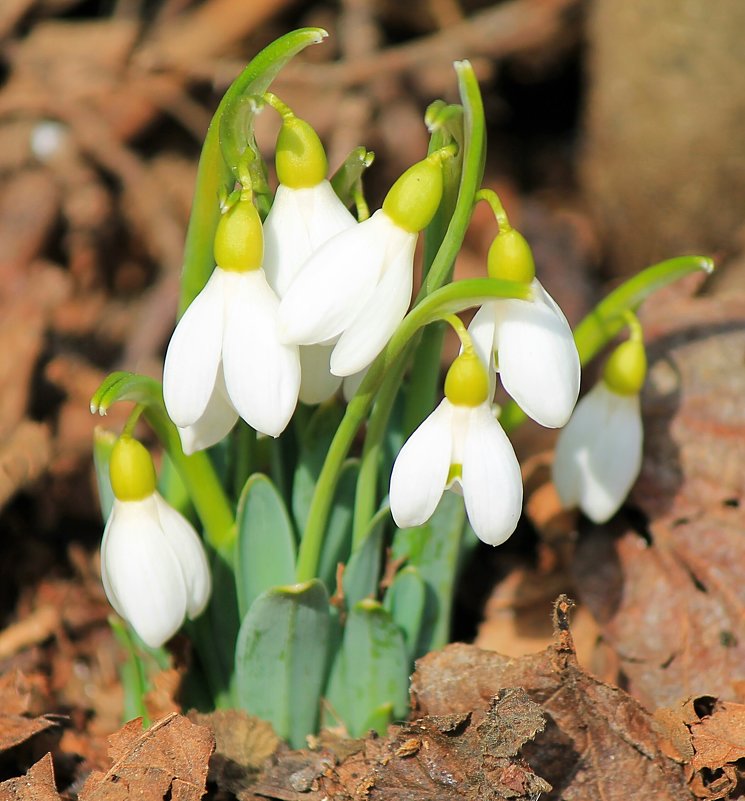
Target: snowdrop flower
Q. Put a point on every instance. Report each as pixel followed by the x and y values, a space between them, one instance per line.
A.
pixel 153 566
pixel 224 358
pixel 355 289
pixel 461 443
pixel 306 213
pixel 599 453
pixel 529 342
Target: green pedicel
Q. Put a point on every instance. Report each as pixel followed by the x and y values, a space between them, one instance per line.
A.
pixel 239 239
pixel 132 470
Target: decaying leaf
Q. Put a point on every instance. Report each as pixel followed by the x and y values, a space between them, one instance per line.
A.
pixel 15 697
pixel 37 785
pixel 453 757
pixel 167 761
pixel 597 737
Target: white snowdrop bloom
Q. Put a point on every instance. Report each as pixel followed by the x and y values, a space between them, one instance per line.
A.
pixel 599 452
pixel 461 443
pixel 153 565
pixel 530 344
pixel 224 358
pixel 356 287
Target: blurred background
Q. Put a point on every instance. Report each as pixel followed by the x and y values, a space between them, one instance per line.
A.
pixel 615 140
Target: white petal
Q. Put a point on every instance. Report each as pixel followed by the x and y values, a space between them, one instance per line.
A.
pixel 141 575
pixel 352 383
pixel 262 375
pixel 193 354
pixel 317 384
pixel 326 214
pixel 335 284
pixel 483 329
pixel 421 469
pixel 287 242
pixel 599 453
pixel 371 329
pixel 492 484
pixel 216 423
pixel 538 360
pixel 188 549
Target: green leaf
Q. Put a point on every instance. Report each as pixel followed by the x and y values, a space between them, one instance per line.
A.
pixel 434 550
pixel 230 131
pixel 362 573
pixel 103 443
pixel 405 600
pixel 313 449
pixel 280 658
pixel 350 173
pixel 371 671
pixel 265 546
pixel 337 543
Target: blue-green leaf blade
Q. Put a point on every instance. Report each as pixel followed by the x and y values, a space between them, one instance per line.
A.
pixel 405 600
pixel 265 543
pixel 280 658
pixel 362 572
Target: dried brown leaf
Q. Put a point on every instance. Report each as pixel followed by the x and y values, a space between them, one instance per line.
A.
pixel 596 737
pixel 168 760
pixel 37 785
pixel 23 457
pixel 719 738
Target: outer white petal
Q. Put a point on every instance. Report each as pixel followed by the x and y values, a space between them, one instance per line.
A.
pixel 193 354
pixel 327 216
pixel 262 376
pixel 483 330
pixel 352 383
pixel 492 484
pixel 421 469
pixel 335 284
pixel 371 329
pixel 287 241
pixel 188 549
pixel 217 421
pixel 141 575
pixel 538 360
pixel 599 453
pixel 317 384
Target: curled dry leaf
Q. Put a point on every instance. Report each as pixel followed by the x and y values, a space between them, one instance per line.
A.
pixel 37 785
pixel 16 726
pixel 598 742
pixel 167 761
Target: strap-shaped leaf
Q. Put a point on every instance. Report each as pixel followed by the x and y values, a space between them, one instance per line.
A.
pixel 265 545
pixel 280 658
pixel 362 572
pixel 369 683
pixel 229 132
pixel 405 599
pixel 337 544
pixel 434 549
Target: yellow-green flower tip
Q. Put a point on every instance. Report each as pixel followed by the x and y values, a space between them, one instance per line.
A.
pixel 239 239
pixel 300 157
pixel 131 470
pixel 510 258
pixel 626 368
pixel 467 383
pixel 413 200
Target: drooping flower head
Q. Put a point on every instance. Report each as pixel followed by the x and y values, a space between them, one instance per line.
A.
pixel 305 213
pixel 153 566
pixel 461 444
pixel 599 452
pixel 355 289
pixel 224 358
pixel 529 342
